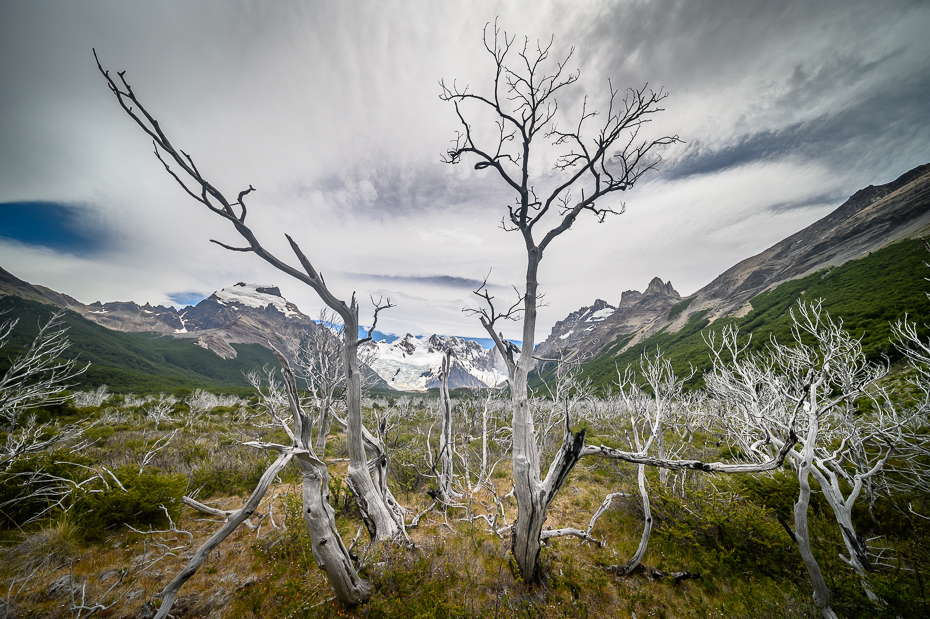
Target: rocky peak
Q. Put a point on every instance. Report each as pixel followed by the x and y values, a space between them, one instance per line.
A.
pixel 658 287
pixel 273 291
pixel 629 298
pixel 408 344
pixel 437 344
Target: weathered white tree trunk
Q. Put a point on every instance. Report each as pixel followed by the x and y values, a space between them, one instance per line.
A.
pixel 485 412
pixel 445 435
pixel 534 495
pixel 374 500
pixel 802 531
pixel 802 535
pixel 324 423
pixel 858 557
pixel 637 558
pixel 328 548
pixel 326 543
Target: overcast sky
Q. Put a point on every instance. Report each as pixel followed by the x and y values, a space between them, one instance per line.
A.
pixel 331 111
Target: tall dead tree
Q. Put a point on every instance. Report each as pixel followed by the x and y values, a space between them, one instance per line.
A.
pixel 445 435
pixel 379 511
pixel 597 156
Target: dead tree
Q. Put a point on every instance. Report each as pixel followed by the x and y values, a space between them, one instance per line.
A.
pixel 36 377
pixel 445 434
pixel 809 383
pixel 383 520
pixel 320 364
pixel 648 418
pixel 593 162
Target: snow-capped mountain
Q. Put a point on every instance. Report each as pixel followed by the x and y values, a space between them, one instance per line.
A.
pixel 241 314
pixel 412 363
pixel 258 314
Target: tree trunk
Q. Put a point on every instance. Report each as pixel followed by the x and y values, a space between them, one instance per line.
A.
pixel 326 543
pixel 531 504
pixel 660 440
pixel 445 436
pixel 373 500
pixel 324 424
pixel 637 558
pixel 802 532
pixel 842 511
pixel 534 495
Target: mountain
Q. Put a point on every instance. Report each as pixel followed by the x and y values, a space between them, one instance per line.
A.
pixel 871 219
pixel 412 363
pixel 200 344
pixel 240 314
pixel 582 334
pixel 241 319
pixel 135 362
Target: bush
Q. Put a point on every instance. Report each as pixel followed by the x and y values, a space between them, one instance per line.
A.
pixel 139 505
pixel 724 530
pixel 99 433
pixel 406 465
pixel 19 481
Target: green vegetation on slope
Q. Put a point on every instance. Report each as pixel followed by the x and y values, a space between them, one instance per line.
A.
pixel 133 362
pixel 868 294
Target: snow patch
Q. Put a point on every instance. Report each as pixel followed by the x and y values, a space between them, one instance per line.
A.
pixel 601 314
pixel 411 362
pixel 249 295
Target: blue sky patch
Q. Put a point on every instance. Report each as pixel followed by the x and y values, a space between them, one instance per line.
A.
pixel 62 227
pixel 183 299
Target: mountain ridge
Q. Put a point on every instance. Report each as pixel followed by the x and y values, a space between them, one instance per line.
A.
pixel 257 314
pixel 872 218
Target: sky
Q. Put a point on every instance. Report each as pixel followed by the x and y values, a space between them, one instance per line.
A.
pixel 331 110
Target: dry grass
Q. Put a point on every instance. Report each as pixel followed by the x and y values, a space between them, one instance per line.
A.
pixel 457 567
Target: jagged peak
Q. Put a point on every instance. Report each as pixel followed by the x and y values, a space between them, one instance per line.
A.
pixel 657 286
pixel 629 298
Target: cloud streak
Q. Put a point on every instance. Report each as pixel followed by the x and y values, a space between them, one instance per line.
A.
pixel 331 111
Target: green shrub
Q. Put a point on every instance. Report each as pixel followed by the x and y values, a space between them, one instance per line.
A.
pixel 724 530
pixel 99 433
pixel 405 470
pixel 140 505
pixel 19 481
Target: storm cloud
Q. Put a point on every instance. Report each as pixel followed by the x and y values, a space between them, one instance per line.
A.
pixel 332 111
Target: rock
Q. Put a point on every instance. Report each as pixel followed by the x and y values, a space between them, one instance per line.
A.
pixel 61 587
pixel 147 611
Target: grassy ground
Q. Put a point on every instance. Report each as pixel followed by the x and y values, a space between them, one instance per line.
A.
pixel 725 529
